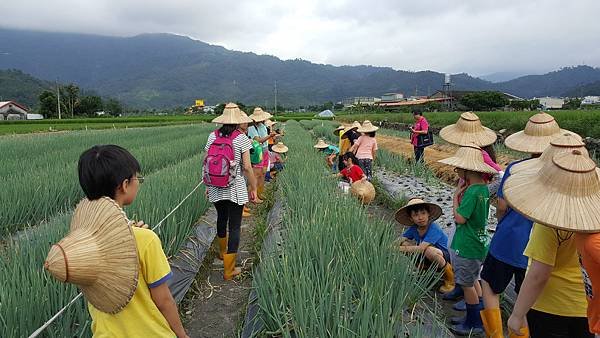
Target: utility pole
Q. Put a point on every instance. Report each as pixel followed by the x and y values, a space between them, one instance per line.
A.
pixel 275 97
pixel 58 98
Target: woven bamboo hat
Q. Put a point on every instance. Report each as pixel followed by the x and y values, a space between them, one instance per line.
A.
pixel 567 142
pixel 270 123
pixel 232 114
pixel 259 115
pixel 367 127
pixel 402 216
pixel 563 194
pixel 364 191
pixel 99 255
pixel 469 158
pixel 245 118
pixel 468 129
pixel 321 144
pixel 355 125
pixel 539 131
pixel 337 130
pixel 280 148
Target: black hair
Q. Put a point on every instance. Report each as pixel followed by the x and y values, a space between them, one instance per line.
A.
pixel 227 129
pixel 491 151
pixel 418 112
pixel 102 168
pixel 371 134
pixel 417 208
pixel 350 155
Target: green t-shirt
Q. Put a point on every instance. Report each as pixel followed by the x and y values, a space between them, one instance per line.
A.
pixel 471 239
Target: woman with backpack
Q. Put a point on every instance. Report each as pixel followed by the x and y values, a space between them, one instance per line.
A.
pixel 258 132
pixel 227 157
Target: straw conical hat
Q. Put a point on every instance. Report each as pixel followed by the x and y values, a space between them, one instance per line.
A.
pixel 232 114
pixel 564 193
pixel 402 216
pixel 367 127
pixel 364 191
pixel 469 158
pixel 260 115
pixel 280 148
pixel 99 255
pixel 270 123
pixel 321 144
pixel 468 129
pixel 245 118
pixel 337 130
pixel 539 131
pixel 355 125
pixel 567 142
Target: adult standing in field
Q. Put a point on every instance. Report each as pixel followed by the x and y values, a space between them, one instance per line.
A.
pixel 421 127
pixel 258 131
pixel 243 128
pixel 553 297
pixel 345 143
pixel 229 197
pixel 365 148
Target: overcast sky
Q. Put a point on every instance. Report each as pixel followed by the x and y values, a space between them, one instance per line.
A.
pixel 474 36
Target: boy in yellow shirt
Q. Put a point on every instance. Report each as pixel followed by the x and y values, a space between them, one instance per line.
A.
pixel 109 176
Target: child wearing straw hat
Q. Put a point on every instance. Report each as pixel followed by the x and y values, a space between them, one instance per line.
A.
pixel 470 241
pixel 278 158
pixel 258 131
pixel 553 295
pixel 330 151
pixel 123 274
pixel 505 259
pixel 427 236
pixel 365 148
pixel 344 143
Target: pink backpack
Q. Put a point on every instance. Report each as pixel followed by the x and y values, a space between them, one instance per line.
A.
pixel 219 167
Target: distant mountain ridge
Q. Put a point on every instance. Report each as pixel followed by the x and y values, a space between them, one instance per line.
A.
pixel 165 70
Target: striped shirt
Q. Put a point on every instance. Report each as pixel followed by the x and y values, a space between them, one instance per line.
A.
pixel 236 192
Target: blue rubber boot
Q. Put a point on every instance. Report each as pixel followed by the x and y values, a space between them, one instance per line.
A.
pixel 461 306
pixel 455 294
pixel 472 324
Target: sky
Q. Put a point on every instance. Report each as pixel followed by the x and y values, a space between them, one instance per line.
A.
pixel 478 37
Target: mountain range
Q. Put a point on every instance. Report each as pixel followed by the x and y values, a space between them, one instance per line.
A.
pixel 166 70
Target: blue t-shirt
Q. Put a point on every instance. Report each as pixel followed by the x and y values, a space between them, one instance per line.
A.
pixel 434 236
pixel 512 233
pixel 331 150
pixel 259 131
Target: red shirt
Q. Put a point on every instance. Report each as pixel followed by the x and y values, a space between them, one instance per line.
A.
pixel 353 173
pixel 419 125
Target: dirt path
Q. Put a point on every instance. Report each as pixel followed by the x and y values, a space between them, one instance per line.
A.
pixel 216 307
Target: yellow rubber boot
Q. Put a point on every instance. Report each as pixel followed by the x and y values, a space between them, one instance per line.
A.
pixel 222 246
pixel 448 279
pixel 246 212
pixel 260 192
pixel 229 268
pixel 524 333
pixel 492 323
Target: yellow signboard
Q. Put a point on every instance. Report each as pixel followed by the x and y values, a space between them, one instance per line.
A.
pixel 199 103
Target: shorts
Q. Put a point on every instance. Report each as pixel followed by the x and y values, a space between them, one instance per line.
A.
pixel 498 274
pixel 544 325
pixel 466 270
pixel 265 160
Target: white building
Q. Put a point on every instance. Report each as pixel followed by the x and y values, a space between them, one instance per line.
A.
pixel 551 102
pixel 10 110
pixel 392 97
pixel 358 100
pixel 591 100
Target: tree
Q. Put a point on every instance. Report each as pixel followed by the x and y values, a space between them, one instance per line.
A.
pixel 48 104
pixel 572 104
pixel 113 107
pixel 484 100
pixel 70 97
pixel 88 105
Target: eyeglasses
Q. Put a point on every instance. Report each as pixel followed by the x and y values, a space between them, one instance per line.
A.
pixel 140 179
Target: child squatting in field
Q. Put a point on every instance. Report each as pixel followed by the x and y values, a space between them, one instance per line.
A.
pixel 425 237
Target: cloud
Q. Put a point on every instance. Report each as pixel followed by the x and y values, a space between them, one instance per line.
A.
pixel 475 36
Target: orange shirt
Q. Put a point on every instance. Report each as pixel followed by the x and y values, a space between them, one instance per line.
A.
pixel 588 246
